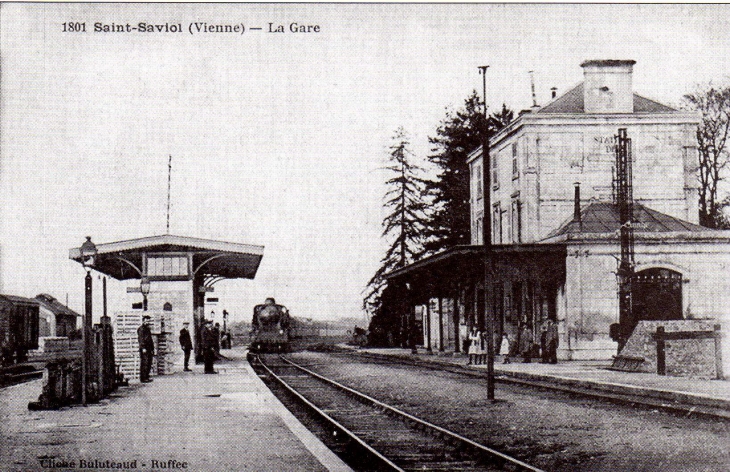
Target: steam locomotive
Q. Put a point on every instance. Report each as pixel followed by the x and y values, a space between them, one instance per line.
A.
pixel 271 328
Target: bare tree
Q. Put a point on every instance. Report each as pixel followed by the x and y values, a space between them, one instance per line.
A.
pixel 712 134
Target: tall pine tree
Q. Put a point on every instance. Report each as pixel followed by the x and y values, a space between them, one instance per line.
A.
pixel 448 219
pixel 403 226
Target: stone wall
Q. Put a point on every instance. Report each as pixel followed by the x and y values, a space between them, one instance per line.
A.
pixel 684 357
pixel 553 153
pixel 590 302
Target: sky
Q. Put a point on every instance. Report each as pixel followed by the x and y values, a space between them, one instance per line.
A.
pixel 277 139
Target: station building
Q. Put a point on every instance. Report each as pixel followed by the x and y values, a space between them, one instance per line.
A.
pixel 555 227
pixel 171 276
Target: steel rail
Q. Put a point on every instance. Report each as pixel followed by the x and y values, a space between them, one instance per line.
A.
pixel 9 380
pixel 413 419
pixel 591 392
pixel 387 462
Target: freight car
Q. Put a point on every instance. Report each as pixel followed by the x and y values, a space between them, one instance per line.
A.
pixel 270 328
pixel 18 328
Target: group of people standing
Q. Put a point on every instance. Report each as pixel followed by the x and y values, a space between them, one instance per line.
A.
pixel 210 340
pixel 210 337
pixel 523 346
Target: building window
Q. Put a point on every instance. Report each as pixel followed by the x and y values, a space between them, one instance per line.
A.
pixel 479 178
pixel 479 228
pixel 495 176
pixel 167 306
pixel 167 266
pixel 497 223
pixel 516 226
pixel 515 166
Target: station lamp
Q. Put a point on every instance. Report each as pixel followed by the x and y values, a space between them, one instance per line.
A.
pixel 88 254
pixel 144 287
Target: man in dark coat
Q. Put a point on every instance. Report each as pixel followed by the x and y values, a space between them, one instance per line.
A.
pixel 217 330
pixel 209 343
pixel 553 340
pixel 146 349
pixel 186 344
pixel 526 343
pixel 544 353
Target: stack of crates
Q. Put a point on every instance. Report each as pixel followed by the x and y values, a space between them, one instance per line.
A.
pixel 164 325
pixel 126 346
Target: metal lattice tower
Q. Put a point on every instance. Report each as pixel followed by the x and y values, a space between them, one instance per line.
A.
pixel 624 200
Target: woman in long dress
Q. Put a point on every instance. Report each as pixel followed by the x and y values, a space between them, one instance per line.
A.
pixel 505 347
pixel 475 338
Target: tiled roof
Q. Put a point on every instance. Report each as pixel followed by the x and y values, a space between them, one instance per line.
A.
pixel 56 307
pixel 17 299
pixel 572 102
pixel 603 217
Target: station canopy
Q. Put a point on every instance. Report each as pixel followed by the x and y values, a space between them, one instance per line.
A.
pixel 169 257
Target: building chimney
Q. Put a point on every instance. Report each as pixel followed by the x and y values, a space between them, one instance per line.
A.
pixel 607 86
pixel 576 204
pixel 554 92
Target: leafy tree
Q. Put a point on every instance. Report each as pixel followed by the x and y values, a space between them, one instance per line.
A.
pixel 404 221
pixel 388 326
pixel 712 135
pixel 722 218
pixel 460 132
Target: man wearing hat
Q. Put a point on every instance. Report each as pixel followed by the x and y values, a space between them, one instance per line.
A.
pixel 146 349
pixel 209 343
pixel 186 344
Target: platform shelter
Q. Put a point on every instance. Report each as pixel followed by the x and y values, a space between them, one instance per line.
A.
pixel 175 273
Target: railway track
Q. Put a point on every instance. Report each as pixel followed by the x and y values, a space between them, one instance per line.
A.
pixel 13 378
pixel 371 435
pixel 19 373
pixel 596 393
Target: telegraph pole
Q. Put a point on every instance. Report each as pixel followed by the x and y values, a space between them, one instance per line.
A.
pixel 487 239
pixel 169 179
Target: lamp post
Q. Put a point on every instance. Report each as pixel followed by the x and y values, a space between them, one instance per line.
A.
pixel 144 287
pixel 88 253
pixel 487 239
pixel 225 329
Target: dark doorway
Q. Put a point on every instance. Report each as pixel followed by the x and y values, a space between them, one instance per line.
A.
pixel 657 295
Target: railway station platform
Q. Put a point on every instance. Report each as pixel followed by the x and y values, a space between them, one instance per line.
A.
pixel 183 421
pixel 590 375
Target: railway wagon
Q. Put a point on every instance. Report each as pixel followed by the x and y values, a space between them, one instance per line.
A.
pixel 271 326
pixel 19 319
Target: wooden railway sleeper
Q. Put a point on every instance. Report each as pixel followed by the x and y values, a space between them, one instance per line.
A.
pixel 423 425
